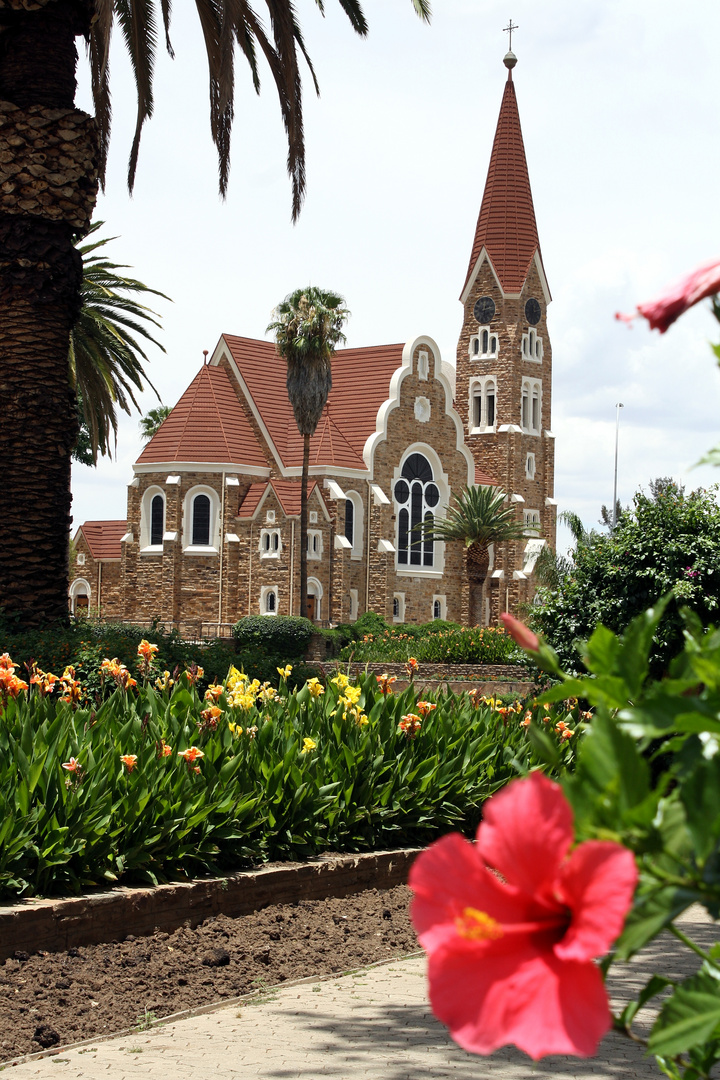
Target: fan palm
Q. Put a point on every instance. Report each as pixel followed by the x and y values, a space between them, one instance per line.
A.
pixel 106 359
pixel 53 157
pixel 479 518
pixel 307 326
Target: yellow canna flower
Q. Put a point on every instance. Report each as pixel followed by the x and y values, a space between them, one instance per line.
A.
pixel 284 672
pixel 340 680
pixel 315 687
pixel 308 745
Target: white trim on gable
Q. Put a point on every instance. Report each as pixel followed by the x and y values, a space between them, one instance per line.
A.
pixel 393 401
pixel 200 466
pixel 536 259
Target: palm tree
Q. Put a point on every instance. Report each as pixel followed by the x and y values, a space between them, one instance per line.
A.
pixel 151 421
pixel 106 360
pixel 479 518
pixel 54 158
pixel 308 325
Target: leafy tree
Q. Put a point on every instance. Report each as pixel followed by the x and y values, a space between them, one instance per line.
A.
pixel 308 325
pixel 667 542
pixel 478 517
pixel 57 158
pixel 106 360
pixel 151 421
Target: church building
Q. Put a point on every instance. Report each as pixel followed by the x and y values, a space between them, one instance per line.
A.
pixel 213 515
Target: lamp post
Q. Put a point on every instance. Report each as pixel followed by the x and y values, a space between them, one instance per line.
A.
pixel 618 406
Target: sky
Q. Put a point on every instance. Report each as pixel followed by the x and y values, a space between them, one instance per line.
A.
pixel 618 104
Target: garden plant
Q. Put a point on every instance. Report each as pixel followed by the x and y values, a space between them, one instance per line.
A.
pixel 147 777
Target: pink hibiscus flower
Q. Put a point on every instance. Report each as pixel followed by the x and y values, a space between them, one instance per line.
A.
pixel 665 309
pixel 519 632
pixel 511 957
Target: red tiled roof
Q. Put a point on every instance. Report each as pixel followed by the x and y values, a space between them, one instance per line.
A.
pixel 253 496
pixel 506 225
pixel 206 425
pixel 483 478
pixel 361 383
pixel 103 538
pixel 288 494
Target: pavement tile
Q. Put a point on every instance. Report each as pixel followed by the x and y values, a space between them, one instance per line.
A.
pixel 374 1025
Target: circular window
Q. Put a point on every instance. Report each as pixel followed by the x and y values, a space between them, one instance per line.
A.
pixel 401 491
pixel 432 495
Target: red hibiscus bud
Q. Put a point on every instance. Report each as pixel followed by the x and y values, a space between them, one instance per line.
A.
pixel 666 308
pixel 519 632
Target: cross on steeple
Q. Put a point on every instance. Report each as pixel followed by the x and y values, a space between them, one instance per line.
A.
pixel 509 30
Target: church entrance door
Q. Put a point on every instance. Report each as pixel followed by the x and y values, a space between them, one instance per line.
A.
pixel 311 601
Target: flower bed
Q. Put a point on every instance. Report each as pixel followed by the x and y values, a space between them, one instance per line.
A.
pixel 149 780
pixel 445 644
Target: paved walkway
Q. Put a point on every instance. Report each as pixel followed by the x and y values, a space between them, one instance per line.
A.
pixel 371 1025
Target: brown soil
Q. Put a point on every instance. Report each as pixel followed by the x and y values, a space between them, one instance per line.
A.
pixel 51 999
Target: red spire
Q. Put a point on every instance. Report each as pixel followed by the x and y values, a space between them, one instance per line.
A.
pixel 506 225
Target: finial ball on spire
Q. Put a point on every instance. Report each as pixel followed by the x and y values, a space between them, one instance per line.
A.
pixel 509 60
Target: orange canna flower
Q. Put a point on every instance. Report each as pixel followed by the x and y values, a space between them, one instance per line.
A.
pixel 385 682
pixel 146 650
pixel 192 754
pixel 410 725
pixel 425 707
pixel 129 761
pixel 73 765
pixel 213 692
pixel 7 663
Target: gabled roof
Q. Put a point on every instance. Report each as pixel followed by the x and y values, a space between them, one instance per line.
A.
pixel 484 479
pixel 103 537
pixel 361 383
pixel 287 492
pixel 506 227
pixel 207 425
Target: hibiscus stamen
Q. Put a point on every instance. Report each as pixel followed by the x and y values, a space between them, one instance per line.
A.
pixel 478 925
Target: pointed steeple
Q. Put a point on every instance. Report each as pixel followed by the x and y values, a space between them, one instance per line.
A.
pixel 506 226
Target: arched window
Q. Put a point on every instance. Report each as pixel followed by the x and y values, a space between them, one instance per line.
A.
pixel 201 521
pixel 270 603
pixel 396 608
pixel 157 520
pixel 349 520
pixel 416 496
pixel 476 346
pixel 485 342
pixel 437 609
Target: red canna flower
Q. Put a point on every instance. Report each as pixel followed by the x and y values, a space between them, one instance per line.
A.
pixel 670 305
pixel 519 632
pixel 511 957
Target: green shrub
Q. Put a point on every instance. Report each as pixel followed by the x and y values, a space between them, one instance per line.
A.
pixel 670 541
pixel 282 635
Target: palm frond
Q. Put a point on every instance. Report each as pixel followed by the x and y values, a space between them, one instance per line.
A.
pixel 139 29
pixel 106 359
pixel 478 515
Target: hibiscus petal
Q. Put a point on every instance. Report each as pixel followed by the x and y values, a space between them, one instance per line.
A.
pixel 450 877
pixel 526 832
pixel 539 1003
pixel 597 884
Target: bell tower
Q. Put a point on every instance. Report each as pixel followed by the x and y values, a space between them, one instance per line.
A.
pixel 504 360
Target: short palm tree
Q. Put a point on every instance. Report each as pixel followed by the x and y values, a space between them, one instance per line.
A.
pixel 478 517
pixel 307 326
pixel 152 420
pixel 106 359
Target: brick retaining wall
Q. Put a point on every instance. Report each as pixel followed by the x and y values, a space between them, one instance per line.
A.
pixel 56 925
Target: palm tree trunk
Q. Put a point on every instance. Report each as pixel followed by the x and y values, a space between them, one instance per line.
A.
pixel 304 526
pixel 47 145
pixel 477 565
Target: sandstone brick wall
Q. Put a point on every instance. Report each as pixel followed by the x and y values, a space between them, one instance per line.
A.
pixel 105 581
pixel 503 454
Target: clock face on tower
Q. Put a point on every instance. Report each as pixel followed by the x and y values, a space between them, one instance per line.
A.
pixel 484 309
pixel 532 311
